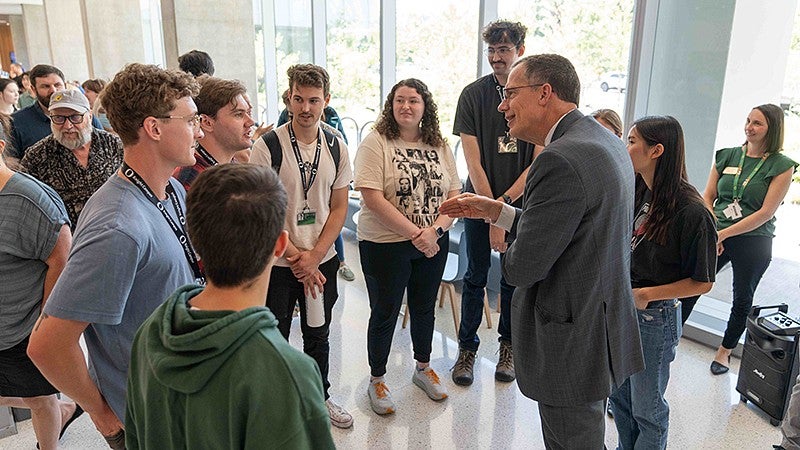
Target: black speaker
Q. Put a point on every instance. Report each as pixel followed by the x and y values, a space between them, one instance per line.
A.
pixel 769 361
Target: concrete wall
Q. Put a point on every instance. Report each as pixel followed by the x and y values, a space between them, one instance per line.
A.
pixel 757 58
pixel 37 37
pixel 113 35
pixel 706 63
pixel 20 44
pixel 226 33
pixel 67 42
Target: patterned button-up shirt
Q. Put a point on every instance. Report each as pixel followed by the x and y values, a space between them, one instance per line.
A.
pixel 56 166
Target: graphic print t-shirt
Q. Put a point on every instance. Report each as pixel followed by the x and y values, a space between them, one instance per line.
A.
pixel 415 178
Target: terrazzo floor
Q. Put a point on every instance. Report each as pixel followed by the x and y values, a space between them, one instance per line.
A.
pixel 706 412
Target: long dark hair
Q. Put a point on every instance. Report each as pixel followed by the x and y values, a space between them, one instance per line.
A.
pixel 671 187
pixel 387 125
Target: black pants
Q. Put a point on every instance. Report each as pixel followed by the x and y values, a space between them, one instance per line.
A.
pixel 750 256
pixel 390 269
pixel 285 291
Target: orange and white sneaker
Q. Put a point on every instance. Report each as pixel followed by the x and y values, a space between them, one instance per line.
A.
pixel 379 397
pixel 428 381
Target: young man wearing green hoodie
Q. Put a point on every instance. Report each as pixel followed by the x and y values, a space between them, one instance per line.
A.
pixel 209 368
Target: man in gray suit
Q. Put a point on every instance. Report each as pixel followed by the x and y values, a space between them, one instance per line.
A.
pixel 573 313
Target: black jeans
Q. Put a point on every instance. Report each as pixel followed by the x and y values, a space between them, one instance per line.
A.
pixel 390 269
pixel 285 291
pixel 479 255
pixel 750 256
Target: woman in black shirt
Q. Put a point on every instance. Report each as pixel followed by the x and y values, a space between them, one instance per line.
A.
pixel 673 255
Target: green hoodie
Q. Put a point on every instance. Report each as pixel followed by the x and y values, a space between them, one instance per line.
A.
pixel 221 380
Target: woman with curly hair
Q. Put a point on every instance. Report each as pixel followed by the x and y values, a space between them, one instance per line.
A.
pixel 415 240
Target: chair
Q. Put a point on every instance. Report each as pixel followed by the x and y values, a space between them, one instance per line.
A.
pixel 454 271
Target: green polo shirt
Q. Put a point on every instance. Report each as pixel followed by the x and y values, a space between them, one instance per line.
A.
pixel 755 191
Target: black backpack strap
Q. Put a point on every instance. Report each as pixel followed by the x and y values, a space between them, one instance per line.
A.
pixel 274 146
pixel 333 142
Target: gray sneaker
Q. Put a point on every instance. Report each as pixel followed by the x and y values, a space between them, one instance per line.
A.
pixel 428 381
pixel 505 364
pixel 462 370
pixel 340 418
pixel 379 397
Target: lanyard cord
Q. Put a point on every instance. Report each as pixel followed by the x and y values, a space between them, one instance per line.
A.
pixel 302 165
pixel 204 153
pixel 737 193
pixel 179 231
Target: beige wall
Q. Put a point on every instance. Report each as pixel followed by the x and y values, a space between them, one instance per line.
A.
pixel 36 36
pixel 68 48
pixel 20 44
pixel 222 29
pixel 113 35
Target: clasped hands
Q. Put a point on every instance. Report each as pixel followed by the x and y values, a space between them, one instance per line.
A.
pixel 426 242
pixel 305 266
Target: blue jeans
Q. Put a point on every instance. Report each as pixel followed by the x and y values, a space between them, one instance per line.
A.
pixel 640 411
pixel 479 255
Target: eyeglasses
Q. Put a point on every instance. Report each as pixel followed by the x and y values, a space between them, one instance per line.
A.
pixel 75 119
pixel 502 51
pixel 508 93
pixel 193 120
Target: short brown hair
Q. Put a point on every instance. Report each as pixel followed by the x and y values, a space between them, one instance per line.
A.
pixel 215 93
pixel 234 215
pixel 95 85
pixel 139 91
pixel 555 70
pixel 610 117
pixel 309 75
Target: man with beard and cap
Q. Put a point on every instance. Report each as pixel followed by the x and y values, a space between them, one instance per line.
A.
pixel 31 124
pixel 77 158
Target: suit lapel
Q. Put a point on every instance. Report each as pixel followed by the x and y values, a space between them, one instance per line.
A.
pixel 566 123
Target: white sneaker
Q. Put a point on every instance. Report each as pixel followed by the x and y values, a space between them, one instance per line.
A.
pixel 379 397
pixel 340 418
pixel 428 381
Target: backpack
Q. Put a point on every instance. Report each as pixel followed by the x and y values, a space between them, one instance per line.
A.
pixel 276 153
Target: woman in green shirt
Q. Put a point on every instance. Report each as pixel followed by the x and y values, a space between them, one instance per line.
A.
pixel 744 189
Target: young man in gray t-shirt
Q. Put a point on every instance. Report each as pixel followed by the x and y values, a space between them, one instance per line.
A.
pixel 130 250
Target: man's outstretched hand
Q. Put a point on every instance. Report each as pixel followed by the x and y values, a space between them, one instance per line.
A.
pixel 471 206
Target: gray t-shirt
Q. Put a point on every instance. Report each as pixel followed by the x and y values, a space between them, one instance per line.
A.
pixel 125 261
pixel 32 215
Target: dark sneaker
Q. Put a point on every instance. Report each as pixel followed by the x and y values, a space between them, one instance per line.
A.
pixel 462 370
pixel 505 364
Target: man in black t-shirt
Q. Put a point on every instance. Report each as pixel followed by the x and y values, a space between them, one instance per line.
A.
pixel 498 165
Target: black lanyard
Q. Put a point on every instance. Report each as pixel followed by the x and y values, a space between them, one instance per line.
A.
pixel 207 156
pixel 302 165
pixel 180 233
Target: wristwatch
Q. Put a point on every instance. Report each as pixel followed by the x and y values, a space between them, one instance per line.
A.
pixel 439 231
pixel 507 198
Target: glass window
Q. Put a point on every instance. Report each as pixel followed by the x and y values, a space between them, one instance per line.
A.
pixel 293 38
pixel 437 42
pixel 152 32
pixel 353 52
pixel 594 34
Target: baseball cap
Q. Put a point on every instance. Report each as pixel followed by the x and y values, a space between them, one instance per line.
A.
pixel 70 98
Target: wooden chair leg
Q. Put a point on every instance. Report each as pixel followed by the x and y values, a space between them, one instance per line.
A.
pixel 487 311
pixel 442 287
pixel 405 316
pixel 451 292
pixel 498 304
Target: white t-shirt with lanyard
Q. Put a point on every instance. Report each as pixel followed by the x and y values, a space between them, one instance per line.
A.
pixel 327 179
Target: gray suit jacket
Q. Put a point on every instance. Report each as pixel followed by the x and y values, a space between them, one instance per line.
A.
pixel 572 317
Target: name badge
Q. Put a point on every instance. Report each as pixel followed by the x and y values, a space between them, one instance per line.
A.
pixel 506 144
pixel 733 211
pixel 307 217
pixel 730 170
